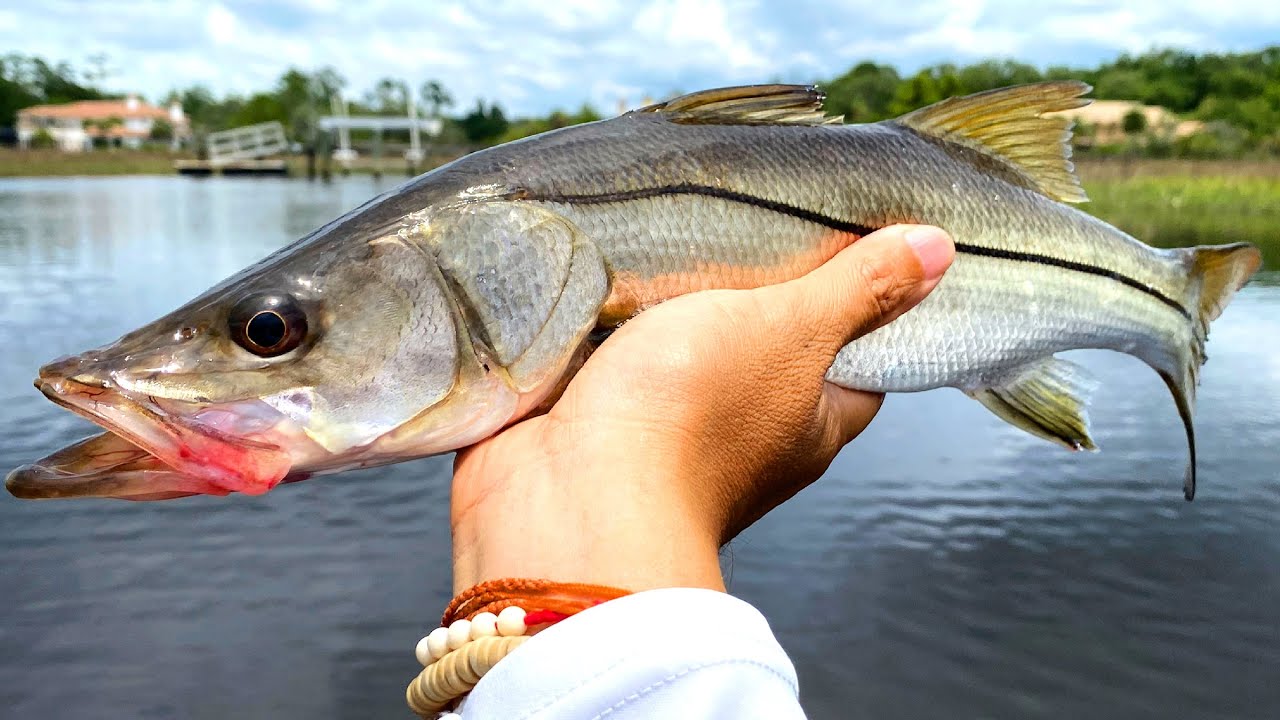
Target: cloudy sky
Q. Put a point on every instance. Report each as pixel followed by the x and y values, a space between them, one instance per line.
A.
pixel 537 55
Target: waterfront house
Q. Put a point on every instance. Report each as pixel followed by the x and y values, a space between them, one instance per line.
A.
pixel 127 122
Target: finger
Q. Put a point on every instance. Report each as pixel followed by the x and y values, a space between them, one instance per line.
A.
pixel 846 413
pixel 866 285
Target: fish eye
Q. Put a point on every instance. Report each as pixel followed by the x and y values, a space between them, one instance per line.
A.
pixel 268 324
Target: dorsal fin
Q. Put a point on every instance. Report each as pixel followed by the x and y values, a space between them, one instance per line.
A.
pixel 1010 125
pixel 747 105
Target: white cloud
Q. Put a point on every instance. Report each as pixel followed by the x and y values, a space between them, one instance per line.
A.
pixel 220 24
pixel 534 56
pixel 701 28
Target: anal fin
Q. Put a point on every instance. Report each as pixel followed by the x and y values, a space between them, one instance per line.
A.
pixel 1047 399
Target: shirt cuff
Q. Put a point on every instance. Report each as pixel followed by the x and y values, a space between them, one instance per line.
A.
pixel 675 652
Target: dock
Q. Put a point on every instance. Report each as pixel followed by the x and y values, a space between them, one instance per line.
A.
pixel 250 150
pixel 205 168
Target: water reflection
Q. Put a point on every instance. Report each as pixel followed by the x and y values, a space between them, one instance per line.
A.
pixel 946 564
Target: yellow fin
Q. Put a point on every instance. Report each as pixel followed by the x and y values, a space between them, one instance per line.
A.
pixel 1047 399
pixel 1010 125
pixel 1216 272
pixel 1222 270
pixel 748 105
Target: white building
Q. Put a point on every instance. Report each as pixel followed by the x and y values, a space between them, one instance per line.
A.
pixel 74 126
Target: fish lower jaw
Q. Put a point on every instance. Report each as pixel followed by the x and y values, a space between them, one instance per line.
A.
pixel 106 466
pixel 149 438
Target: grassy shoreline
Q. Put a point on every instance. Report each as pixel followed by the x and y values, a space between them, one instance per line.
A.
pixel 1184 210
pixel 53 163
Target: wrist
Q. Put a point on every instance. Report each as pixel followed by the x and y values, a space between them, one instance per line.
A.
pixel 578 517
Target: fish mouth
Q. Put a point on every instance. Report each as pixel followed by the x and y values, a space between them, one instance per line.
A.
pixel 153 449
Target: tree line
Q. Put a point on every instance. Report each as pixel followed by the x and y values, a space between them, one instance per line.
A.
pixel 1237 95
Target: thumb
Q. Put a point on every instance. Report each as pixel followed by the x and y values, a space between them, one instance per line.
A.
pixel 866 285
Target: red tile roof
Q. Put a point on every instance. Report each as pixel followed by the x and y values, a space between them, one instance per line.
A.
pixel 96 110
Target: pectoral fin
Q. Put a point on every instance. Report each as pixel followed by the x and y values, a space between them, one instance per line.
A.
pixel 1047 399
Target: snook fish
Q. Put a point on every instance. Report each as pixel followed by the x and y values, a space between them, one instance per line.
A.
pixel 444 310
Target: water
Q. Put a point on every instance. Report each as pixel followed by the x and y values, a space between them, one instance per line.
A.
pixel 947 565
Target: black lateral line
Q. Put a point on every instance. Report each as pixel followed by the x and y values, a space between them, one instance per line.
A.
pixel 715 192
pixel 1001 254
pixel 852 228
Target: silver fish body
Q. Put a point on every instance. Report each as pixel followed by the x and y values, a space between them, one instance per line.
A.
pixel 494 270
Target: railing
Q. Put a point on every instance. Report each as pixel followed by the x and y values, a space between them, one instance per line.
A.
pixel 247 143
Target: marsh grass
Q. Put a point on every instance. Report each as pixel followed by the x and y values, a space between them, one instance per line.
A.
pixel 1183 210
pixel 44 163
pixel 52 163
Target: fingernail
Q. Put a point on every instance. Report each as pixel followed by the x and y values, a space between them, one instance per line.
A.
pixel 933 248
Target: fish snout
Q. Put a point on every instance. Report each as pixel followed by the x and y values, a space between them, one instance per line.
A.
pixel 72 369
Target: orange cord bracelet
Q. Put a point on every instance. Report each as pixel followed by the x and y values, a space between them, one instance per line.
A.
pixel 482 625
pixel 533 595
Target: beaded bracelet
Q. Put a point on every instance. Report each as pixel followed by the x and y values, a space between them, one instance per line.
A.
pixel 472 639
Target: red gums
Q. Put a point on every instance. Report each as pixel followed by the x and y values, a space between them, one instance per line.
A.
pixel 252 470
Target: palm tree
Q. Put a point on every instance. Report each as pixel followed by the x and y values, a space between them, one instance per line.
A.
pixel 434 96
pixel 389 96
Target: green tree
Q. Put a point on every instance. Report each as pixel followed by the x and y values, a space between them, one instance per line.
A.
pixel 297 97
pixel 863 94
pixel 991 74
pixel 293 91
pixel 585 114
pixel 199 104
pixel 326 83
pixel 925 88
pixel 1063 72
pixel 1134 122
pixel 42 140
pixel 259 108
pixel 484 125
pixel 13 97
pixel 1121 85
pixel 28 80
pixel 297 100
pixel 434 97
pixel 162 131
pixel 389 97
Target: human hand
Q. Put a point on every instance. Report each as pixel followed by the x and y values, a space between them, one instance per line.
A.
pixel 687 425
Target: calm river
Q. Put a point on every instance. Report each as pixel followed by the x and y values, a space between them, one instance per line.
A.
pixel 947 566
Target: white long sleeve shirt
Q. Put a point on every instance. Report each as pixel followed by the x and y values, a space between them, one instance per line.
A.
pixel 672 653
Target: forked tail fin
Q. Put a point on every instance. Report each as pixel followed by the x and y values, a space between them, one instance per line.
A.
pixel 1215 273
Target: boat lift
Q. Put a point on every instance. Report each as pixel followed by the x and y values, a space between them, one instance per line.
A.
pixel 344 123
